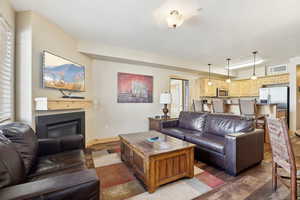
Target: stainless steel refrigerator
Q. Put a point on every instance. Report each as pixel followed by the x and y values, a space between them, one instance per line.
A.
pixel 276 94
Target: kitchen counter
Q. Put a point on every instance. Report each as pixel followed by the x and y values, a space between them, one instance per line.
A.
pixel 263 104
pixel 259 104
pixel 269 109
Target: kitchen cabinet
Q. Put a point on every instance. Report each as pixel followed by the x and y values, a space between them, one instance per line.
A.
pixel 244 88
pixel 275 79
pixel 253 87
pixel 211 90
pixel 241 88
pixel 234 89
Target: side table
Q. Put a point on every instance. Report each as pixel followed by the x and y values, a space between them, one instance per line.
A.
pixel 155 124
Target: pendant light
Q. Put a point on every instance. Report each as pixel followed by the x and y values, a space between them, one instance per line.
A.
pixel 254 77
pixel 209 81
pixel 228 80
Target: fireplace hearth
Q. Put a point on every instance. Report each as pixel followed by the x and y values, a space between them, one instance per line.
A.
pixel 60 125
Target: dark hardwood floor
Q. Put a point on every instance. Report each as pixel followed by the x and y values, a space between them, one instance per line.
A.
pixel 253 184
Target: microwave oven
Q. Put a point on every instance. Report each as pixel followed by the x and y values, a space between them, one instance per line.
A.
pixel 222 92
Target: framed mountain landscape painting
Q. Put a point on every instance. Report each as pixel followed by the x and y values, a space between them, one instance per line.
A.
pixel 135 88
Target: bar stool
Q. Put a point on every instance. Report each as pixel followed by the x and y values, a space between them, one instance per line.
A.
pixel 248 109
pixel 198 106
pixel 218 106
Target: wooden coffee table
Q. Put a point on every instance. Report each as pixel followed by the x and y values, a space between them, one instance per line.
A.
pixel 155 166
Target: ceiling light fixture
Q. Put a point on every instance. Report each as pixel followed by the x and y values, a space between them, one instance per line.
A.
pixel 209 81
pixel 228 77
pixel 174 19
pixel 254 77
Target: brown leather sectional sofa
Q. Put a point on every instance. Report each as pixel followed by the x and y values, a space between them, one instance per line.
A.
pixel 48 169
pixel 227 141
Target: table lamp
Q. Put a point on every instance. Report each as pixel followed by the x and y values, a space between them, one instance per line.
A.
pixel 165 98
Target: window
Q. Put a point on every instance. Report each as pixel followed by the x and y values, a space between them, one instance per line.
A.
pixel 6 73
pixel 180 96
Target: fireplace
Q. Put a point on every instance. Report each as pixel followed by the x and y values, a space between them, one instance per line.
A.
pixel 60 125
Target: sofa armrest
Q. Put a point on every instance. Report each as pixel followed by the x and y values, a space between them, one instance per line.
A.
pixel 243 150
pixel 50 146
pixel 169 123
pixel 78 185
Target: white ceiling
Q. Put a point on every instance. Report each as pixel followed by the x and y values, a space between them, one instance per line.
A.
pixel 223 28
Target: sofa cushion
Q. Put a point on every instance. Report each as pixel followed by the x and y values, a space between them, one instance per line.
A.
pixel 223 124
pixel 25 141
pixel 175 132
pixel 208 141
pixel 55 173
pixel 52 164
pixel 48 146
pixel 12 169
pixel 178 132
pixel 71 142
pixel 192 120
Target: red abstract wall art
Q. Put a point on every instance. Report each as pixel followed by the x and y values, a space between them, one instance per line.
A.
pixel 135 88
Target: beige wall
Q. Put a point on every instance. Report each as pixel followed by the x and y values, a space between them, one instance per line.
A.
pixel 35 34
pixel 49 36
pixel 114 118
pixel 294 70
pixel 106 118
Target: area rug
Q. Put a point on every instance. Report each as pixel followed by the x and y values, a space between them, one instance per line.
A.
pixel 118 182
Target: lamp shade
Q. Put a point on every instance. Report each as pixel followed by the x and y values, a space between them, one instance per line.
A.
pixel 165 98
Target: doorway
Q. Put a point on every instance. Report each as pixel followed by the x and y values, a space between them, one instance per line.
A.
pixel 180 96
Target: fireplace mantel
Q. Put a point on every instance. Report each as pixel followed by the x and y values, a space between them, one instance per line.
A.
pixel 44 104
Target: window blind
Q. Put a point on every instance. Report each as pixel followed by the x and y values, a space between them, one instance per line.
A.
pixel 6 73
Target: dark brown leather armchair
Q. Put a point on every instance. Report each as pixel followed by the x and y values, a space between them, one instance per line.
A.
pixel 43 169
pixel 227 141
